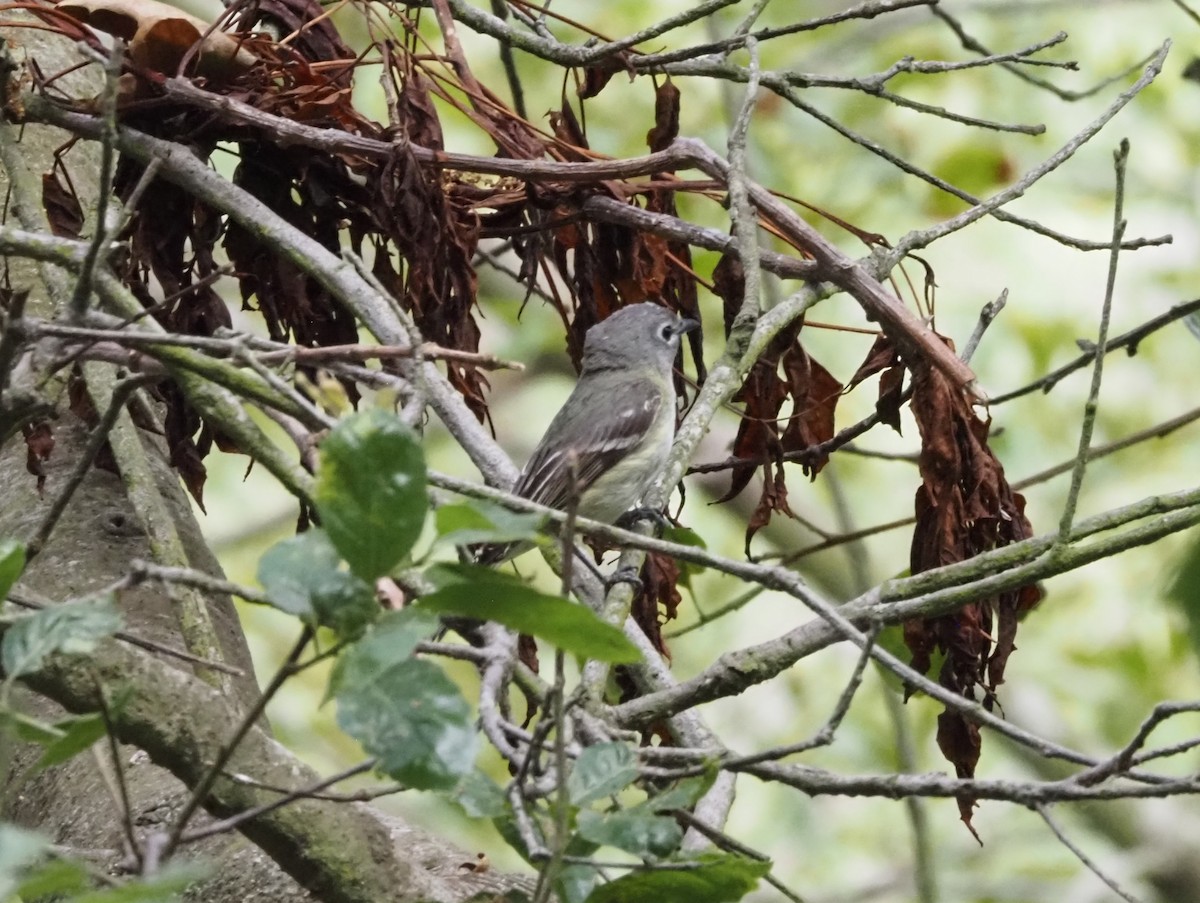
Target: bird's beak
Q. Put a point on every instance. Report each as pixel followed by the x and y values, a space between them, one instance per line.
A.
pixel 685 325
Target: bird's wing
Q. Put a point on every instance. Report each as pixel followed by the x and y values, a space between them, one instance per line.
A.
pixel 598 439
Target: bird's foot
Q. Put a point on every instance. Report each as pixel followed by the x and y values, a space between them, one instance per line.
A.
pixel 634 516
pixel 624 575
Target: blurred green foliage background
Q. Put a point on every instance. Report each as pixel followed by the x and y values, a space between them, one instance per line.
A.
pixel 1107 642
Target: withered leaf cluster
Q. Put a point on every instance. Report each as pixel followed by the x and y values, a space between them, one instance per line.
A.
pixel 964 506
pixel 419 226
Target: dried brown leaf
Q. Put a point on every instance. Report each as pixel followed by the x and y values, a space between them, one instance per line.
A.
pixel 964 506
pixel 63 210
pixel 39 443
pixel 159 35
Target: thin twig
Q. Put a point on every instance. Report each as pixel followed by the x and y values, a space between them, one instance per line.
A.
pixel 108 137
pixel 828 730
pixel 1100 451
pixel 1122 761
pixel 147 570
pixel 1129 340
pixel 923 238
pixel 1120 158
pixel 1188 11
pixel 313 791
pixel 549 872
pixel 200 792
pixel 990 311
pixel 21 598
pixel 118 771
pixel 1044 812
pixel 970 43
pixel 723 841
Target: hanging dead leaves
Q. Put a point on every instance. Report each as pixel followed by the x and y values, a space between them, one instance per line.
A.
pixel 964 506
pixel 419 226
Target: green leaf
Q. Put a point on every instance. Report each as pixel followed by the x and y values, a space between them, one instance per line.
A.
pixel 164 886
pixel 302 576
pixel 478 520
pixel 73 627
pixel 478 592
pixel 19 849
pixel 12 563
pixel 685 536
pixel 370 491
pixel 78 733
pixel 390 641
pixel 576 882
pixel 683 795
pixel 28 728
pixel 53 877
pixel 408 714
pixel 479 796
pixel 601 770
pixel 715 879
pixel 637 832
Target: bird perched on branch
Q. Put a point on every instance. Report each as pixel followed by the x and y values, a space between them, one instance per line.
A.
pixel 611 438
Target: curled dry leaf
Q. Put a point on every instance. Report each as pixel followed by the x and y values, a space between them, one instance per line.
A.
pixel 784 371
pixel 964 506
pixel 159 36
pixel 39 443
pixel 659 599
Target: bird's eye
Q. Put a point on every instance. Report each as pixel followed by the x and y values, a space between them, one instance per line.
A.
pixel 666 332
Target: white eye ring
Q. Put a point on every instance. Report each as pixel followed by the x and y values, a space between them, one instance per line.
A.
pixel 667 332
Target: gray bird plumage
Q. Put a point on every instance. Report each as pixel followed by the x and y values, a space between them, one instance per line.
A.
pixel 618 424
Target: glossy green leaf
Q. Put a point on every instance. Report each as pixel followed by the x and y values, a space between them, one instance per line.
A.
pixel 637 832
pixel 12 563
pixel 478 520
pixel 406 712
pixel 73 627
pixel 715 879
pixel 601 770
pixel 478 592
pixel 302 575
pixel 370 491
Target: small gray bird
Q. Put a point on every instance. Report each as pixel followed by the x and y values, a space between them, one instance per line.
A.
pixel 618 424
